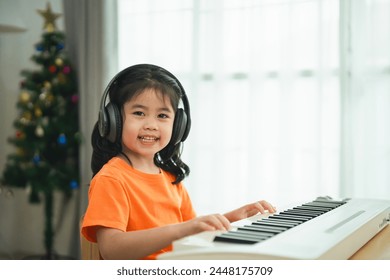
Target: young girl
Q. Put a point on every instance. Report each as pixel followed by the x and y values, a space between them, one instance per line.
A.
pixel 137 203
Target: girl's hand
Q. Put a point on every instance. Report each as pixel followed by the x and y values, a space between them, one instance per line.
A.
pixel 116 244
pixel 249 210
pixel 206 223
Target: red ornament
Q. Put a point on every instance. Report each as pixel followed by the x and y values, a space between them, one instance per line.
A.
pixel 52 69
pixel 75 98
pixel 66 69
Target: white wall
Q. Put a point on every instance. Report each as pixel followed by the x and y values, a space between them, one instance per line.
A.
pixel 21 223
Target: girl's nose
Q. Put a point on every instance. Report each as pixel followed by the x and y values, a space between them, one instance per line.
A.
pixel 150 124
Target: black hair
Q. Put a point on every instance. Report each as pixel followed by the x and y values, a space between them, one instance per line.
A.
pixel 122 91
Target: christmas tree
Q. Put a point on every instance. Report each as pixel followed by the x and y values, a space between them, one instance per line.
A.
pixel 46 136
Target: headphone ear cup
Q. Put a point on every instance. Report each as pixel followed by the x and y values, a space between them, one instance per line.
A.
pixel 179 127
pixel 103 123
pixel 115 123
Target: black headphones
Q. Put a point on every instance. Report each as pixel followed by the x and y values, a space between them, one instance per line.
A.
pixel 110 119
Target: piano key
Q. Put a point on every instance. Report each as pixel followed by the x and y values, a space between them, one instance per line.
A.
pixel 278 217
pixel 259 228
pixel 324 205
pixel 295 214
pixel 303 213
pixel 316 212
pixel 313 208
pixel 279 222
pixel 236 239
pixel 335 205
pixel 250 234
pixel 340 202
pixel 327 202
pixel 244 232
pixel 318 207
pixel 273 225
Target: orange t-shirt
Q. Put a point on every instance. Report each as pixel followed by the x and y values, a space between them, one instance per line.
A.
pixel 124 198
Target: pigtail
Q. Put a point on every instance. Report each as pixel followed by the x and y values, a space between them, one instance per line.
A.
pixel 169 159
pixel 103 150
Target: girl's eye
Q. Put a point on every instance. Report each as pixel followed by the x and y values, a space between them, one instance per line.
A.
pixel 163 116
pixel 139 113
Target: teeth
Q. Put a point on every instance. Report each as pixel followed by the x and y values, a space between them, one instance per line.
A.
pixel 148 138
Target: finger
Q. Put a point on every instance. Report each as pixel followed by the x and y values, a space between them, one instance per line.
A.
pixel 268 206
pixel 220 222
pixel 205 224
pixel 260 207
pixel 225 222
pixel 208 227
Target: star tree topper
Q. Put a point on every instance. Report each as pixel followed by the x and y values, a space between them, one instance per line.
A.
pixel 49 17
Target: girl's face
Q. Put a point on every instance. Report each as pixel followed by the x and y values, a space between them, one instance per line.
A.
pixel 147 124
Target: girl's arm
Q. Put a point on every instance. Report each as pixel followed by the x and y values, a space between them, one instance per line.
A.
pixel 249 210
pixel 115 244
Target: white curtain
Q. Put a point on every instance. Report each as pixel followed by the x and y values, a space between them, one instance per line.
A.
pixel 366 98
pixel 91 29
pixel 270 119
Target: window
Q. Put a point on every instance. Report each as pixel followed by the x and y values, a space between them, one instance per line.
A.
pixel 263 79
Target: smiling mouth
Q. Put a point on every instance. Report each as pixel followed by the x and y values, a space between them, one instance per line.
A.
pixel 148 139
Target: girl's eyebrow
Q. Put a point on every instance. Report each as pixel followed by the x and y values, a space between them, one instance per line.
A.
pixel 166 109
pixel 140 106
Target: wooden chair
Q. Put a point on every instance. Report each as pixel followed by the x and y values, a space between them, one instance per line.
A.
pixel 89 250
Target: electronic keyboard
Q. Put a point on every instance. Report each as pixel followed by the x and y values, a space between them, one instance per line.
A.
pixel 320 229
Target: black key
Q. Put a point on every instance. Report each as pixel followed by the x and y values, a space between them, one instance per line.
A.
pixel 272 220
pixel 259 228
pixel 297 215
pixel 255 235
pixel 330 201
pixel 258 234
pixel 279 222
pixel 274 225
pixel 311 208
pixel 302 213
pixel 278 217
pixel 305 211
pixel 324 205
pixel 225 237
pixel 318 207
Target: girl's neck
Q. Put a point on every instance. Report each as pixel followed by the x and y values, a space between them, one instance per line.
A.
pixel 141 164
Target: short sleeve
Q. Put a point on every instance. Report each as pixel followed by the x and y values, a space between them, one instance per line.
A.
pixel 108 206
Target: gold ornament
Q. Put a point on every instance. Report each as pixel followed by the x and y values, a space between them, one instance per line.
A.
pixel 59 62
pixel 20 152
pixel 39 131
pixel 47 85
pixel 45 121
pixel 43 96
pixel 38 112
pixel 24 121
pixel 50 18
pixel 24 97
pixel 27 115
pixel 49 99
